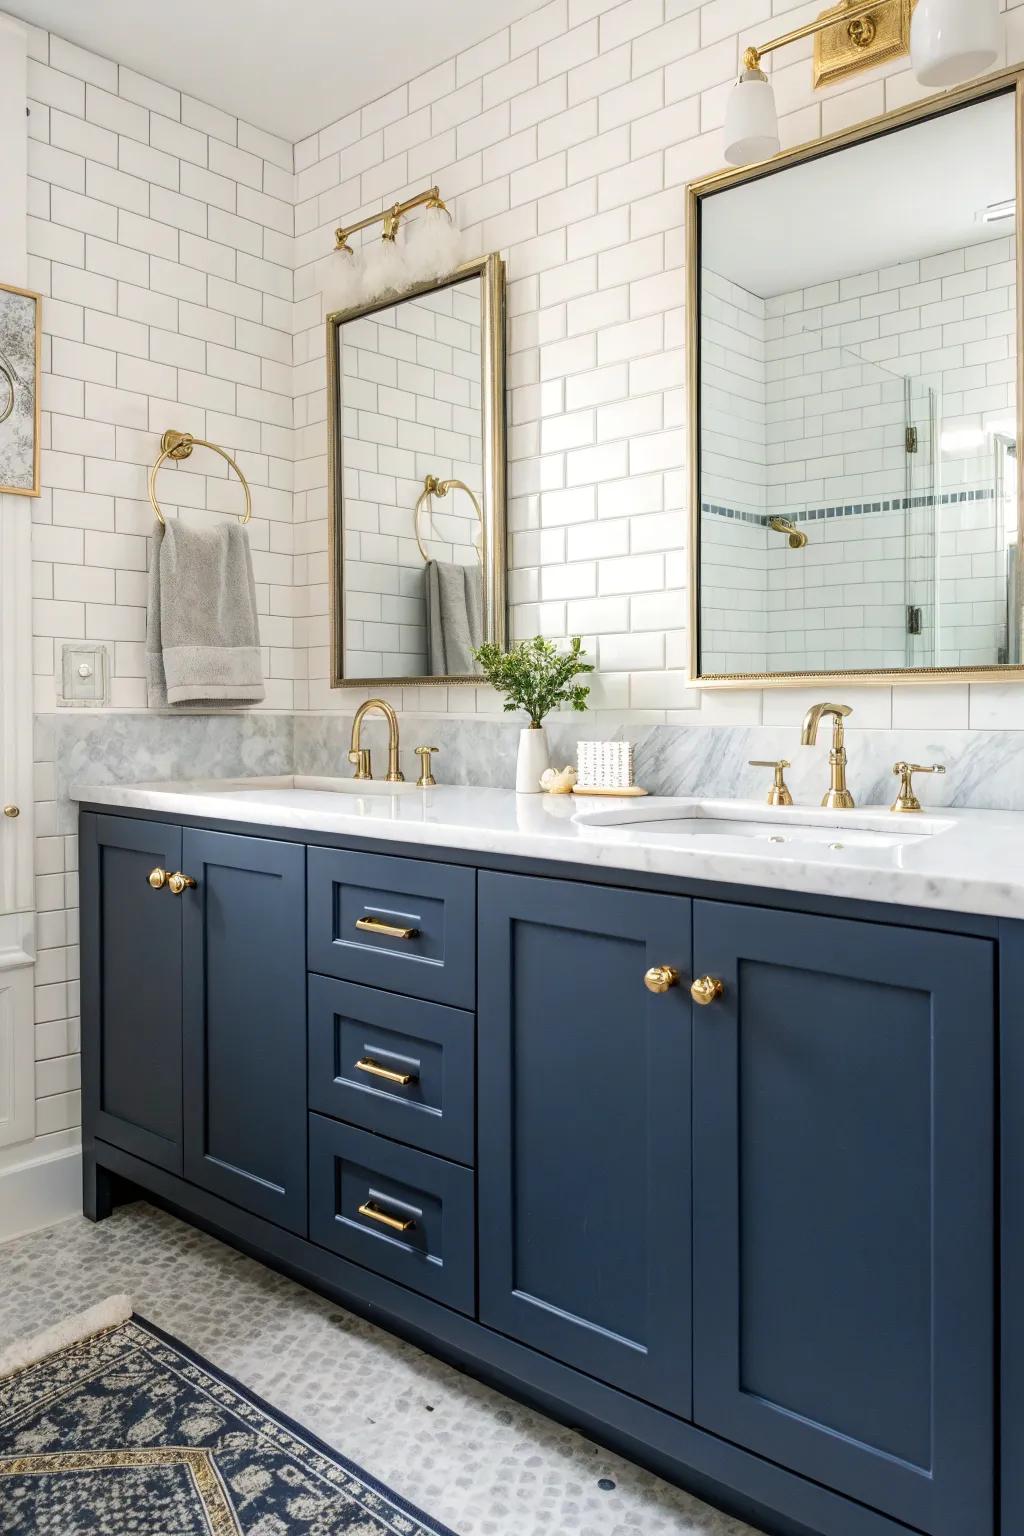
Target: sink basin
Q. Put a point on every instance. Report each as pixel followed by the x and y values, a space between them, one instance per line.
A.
pixel 318 794
pixel 791 833
pixel 771 832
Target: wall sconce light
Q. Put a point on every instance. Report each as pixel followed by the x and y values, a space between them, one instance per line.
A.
pixel 434 247
pixel 949 41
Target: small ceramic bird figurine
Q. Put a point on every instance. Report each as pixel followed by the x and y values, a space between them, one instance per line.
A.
pixel 555 781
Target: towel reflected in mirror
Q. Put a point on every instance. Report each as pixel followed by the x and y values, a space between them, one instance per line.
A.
pixel 455 622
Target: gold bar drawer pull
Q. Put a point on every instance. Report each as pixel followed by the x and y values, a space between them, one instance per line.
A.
pixel 374 1068
pixel 384 929
pixel 371 1209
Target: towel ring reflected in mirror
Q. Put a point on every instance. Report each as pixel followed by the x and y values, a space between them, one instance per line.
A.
pixel 432 487
pixel 179 445
pixel 7 374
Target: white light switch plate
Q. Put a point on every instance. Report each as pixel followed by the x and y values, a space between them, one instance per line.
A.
pixel 83 676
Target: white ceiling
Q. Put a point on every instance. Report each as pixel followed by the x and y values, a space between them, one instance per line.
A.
pixel 289 66
pixel 913 193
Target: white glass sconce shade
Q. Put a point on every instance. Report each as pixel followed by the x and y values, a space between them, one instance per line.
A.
pixel 751 120
pixel 953 40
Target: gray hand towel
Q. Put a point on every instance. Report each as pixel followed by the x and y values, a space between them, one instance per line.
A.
pixel 455 625
pixel 202 633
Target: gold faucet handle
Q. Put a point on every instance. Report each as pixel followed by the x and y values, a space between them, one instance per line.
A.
pixel 360 756
pixel 426 779
pixel 779 793
pixel 906 800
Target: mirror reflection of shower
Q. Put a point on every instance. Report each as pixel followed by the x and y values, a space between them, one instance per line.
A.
pixel 797 539
pixel 858 384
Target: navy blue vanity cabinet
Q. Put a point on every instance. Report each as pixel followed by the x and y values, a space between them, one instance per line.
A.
pixel 583 1161
pixel 244 1013
pixel 844 1137
pixel 707 1172
pixel 131 987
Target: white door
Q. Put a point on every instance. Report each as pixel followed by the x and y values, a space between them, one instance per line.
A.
pixel 17 898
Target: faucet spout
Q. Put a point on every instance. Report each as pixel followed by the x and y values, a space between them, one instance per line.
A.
pixel 360 755
pixel 813 718
pixel 838 796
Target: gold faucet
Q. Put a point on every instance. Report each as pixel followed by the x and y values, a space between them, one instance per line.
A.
pixel 360 755
pixel 838 797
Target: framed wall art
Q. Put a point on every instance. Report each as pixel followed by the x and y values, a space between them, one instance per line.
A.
pixel 20 332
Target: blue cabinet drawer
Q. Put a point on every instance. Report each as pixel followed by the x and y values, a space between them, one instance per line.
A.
pixel 401 924
pixel 404 1214
pixel 394 1065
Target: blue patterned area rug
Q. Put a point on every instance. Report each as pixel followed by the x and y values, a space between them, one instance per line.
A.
pixel 130 1432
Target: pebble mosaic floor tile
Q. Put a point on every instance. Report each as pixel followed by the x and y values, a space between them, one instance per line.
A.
pixel 477 1461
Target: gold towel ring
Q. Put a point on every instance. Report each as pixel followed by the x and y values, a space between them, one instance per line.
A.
pixel 434 487
pixel 179 445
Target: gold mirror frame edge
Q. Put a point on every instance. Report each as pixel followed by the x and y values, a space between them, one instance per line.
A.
pixel 491 271
pixel 1002 81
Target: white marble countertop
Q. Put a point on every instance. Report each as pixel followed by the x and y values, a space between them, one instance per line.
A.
pixel 948 860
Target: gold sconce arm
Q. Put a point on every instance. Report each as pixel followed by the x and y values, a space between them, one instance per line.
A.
pixel 853 13
pixel 390 218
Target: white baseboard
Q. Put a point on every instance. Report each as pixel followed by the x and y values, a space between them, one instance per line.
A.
pixel 40 1192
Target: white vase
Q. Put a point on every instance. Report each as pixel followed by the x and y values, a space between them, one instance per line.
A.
pixel 532 760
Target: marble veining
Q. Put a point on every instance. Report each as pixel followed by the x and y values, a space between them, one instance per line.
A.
pixel 985 769
pixel 973 861
pixel 116 748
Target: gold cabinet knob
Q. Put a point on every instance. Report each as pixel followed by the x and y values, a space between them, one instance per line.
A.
pixel 157 878
pixel 661 977
pixel 179 882
pixel 13 811
pixel 706 989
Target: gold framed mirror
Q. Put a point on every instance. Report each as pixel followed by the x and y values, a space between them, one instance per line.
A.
pixel 855 357
pixel 416 478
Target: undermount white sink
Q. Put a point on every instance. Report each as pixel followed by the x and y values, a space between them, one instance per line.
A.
pixel 771 832
pixel 786 833
pixel 318 794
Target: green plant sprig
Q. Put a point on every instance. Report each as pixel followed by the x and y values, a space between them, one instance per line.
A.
pixel 535 676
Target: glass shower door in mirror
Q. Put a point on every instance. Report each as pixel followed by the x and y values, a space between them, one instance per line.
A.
pixel 856 455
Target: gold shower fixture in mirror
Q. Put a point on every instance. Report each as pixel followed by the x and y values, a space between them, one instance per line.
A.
pixel 797 540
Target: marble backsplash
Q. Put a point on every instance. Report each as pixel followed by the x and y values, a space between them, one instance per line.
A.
pixel 93 748
pixel 985 769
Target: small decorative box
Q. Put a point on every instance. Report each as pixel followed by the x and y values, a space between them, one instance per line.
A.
pixel 605 768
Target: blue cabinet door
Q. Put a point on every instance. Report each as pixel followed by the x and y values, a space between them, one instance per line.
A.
pixel 245 1023
pixel 584 1130
pixel 843 1207
pixel 131 988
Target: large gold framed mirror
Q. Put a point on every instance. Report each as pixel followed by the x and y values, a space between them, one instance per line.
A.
pixel 416 443
pixel 855 372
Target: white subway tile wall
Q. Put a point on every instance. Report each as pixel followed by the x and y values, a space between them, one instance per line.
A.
pixel 565 142
pixel 178 249
pixel 160 234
